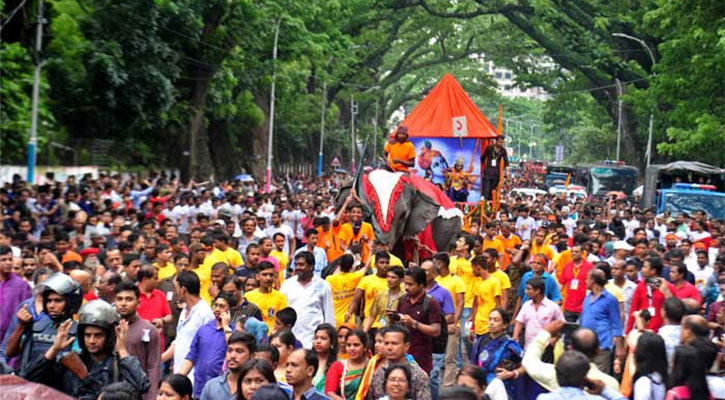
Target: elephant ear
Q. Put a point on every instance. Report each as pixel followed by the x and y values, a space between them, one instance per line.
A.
pixel 422 211
pixel 445 231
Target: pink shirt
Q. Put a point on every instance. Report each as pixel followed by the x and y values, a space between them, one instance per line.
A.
pixel 536 318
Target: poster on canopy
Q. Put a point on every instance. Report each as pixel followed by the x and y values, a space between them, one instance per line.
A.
pixel 436 159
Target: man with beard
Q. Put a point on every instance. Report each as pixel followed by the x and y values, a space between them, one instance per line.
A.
pixel 61 299
pixel 225 386
pixel 493 161
pixel 142 341
pixel 103 357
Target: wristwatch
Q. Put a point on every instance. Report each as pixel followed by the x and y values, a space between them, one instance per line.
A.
pixel 415 324
pixel 228 330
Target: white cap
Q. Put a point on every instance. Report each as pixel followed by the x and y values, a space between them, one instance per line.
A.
pixel 622 245
pixel 221 222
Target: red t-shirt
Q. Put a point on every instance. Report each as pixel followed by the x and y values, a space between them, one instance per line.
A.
pixel 152 307
pixel 645 298
pixel 574 278
pixel 687 291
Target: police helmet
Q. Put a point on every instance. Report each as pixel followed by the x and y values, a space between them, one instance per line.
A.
pixel 63 285
pixel 98 313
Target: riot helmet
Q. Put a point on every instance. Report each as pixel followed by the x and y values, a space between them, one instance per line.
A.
pixel 63 285
pixel 100 314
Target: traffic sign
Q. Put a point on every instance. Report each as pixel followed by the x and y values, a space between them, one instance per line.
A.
pixel 460 127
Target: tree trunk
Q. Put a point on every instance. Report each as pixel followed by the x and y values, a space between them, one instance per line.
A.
pixel 256 162
pixel 201 167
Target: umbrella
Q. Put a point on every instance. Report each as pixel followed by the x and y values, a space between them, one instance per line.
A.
pixel 244 178
pixel 15 387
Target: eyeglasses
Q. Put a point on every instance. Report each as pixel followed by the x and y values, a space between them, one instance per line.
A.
pixel 395 379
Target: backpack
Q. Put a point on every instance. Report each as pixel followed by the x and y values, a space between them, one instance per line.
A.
pixel 441 341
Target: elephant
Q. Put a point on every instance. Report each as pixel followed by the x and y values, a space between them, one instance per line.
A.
pixel 417 203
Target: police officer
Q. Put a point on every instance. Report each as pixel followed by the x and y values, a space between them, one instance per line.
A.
pixel 61 299
pixel 103 359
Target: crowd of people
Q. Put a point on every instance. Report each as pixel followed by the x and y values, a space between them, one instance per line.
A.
pixel 132 288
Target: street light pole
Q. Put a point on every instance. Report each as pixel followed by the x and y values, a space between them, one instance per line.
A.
pixel 33 142
pixel 268 184
pixel 651 113
pixel 353 111
pixel 531 144
pixel 322 128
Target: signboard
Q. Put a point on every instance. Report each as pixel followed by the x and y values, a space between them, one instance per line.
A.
pixel 460 127
pixel 436 157
pixel 559 157
pixel 335 162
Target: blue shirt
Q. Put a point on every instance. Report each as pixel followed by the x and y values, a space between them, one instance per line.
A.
pixel 218 389
pixel 443 297
pixel 551 288
pixel 312 394
pixel 602 316
pixel 207 352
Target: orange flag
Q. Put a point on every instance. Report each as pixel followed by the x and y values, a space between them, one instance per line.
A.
pixel 568 180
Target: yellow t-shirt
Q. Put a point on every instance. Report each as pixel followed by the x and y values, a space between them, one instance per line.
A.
pixel 503 279
pixel 268 303
pixel 283 260
pixel 371 285
pixel 454 284
pixel 462 267
pixel 393 261
pixel 204 274
pixel 229 257
pixel 167 271
pixel 486 292
pixel 343 285
pixel 615 291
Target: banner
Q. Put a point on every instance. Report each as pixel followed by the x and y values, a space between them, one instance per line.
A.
pixel 436 158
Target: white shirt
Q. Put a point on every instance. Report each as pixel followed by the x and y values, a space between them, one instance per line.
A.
pixel 283 229
pixel 671 335
pixel 701 275
pixel 627 294
pixel 646 389
pixel 716 384
pixel 186 328
pixel 313 304
pixel 524 226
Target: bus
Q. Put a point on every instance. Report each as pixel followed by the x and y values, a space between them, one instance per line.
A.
pixel 557 174
pixel 602 178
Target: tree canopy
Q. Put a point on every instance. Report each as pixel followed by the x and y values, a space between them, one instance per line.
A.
pixel 186 84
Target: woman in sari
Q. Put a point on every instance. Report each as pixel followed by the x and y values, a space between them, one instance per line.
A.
pixel 344 377
pixel 325 346
pixel 500 356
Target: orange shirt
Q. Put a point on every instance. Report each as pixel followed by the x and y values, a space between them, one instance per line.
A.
pixel 347 236
pixel 508 244
pixel 330 242
pixel 546 250
pixel 402 151
pixel 494 244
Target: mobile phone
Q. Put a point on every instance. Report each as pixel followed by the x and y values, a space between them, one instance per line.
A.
pixel 654 282
pixel 569 328
pixel 394 315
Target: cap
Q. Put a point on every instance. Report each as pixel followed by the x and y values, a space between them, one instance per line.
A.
pixel 220 222
pixel 71 256
pixel 670 236
pixel 91 250
pixel 622 245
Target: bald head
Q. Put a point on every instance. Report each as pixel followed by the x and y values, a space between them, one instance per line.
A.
pixel 586 341
pixel 694 326
pixel 84 278
pixel 692 306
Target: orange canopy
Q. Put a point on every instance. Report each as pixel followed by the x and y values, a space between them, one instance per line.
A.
pixel 434 115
